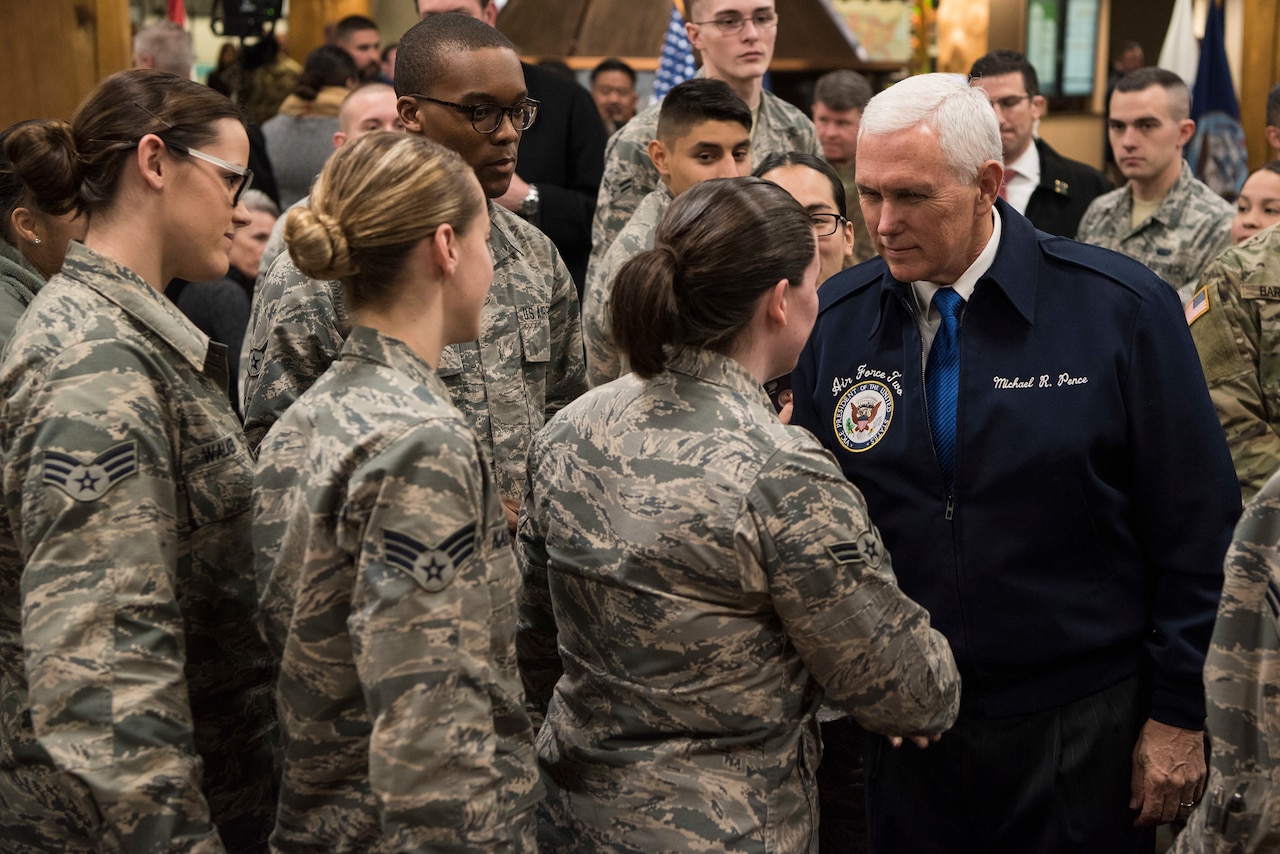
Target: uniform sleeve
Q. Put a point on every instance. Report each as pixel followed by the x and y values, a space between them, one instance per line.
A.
pixel 567 373
pixel 536 639
pixel 298 329
pixel 90 473
pixel 1242 681
pixel 629 176
pixel 420 627
pixel 1186 501
pixel 869 646
pixel 1227 336
pixel 603 362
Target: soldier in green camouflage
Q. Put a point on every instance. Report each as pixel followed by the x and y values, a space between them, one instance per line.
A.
pixel 704 131
pixel 699 576
pixel 1236 326
pixel 136 710
pixel 1240 812
pixel 735 41
pixel 387 578
pixel 1164 216
pixel 528 360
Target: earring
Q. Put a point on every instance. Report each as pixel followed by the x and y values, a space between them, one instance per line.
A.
pixel 37 241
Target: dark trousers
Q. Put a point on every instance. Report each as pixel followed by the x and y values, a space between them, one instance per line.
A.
pixel 842 797
pixel 1053 782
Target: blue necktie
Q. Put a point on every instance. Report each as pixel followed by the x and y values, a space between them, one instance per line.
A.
pixel 942 381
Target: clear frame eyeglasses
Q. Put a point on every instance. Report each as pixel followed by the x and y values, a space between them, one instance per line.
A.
pixel 731 25
pixel 487 118
pixel 826 224
pixel 243 174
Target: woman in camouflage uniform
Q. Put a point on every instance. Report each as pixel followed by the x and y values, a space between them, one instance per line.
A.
pixel 705 573
pixel 135 706
pixel 385 568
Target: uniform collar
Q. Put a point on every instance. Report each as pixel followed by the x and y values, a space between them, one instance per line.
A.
pixel 370 345
pixel 122 286
pixel 718 369
pixel 503 243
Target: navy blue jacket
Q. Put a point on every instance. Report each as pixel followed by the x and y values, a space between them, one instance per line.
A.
pixel 1094 495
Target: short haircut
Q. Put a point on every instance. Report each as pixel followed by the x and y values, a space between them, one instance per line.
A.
pixel 843 90
pixel 327 65
pixel 386 51
pixel 613 64
pixel 259 202
pixel 168 45
pixel 999 62
pixel 353 24
pixel 778 160
pixel 960 114
pixel 344 109
pixel 1273 166
pixel 1173 85
pixel 1126 46
pixel 698 100
pixel 1273 106
pixel 425 48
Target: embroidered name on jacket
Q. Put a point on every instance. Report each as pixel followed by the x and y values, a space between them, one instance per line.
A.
pixel 90 481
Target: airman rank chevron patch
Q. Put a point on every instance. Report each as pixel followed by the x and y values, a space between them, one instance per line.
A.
pixel 90 481
pixel 433 569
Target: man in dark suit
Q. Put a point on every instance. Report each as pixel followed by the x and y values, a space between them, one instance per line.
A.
pixel 1049 189
pixel 561 156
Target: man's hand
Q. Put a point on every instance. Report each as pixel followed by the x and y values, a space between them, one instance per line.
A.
pixel 511 510
pixel 920 741
pixel 1168 771
pixel 513 198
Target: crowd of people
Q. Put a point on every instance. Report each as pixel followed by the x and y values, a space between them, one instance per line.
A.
pixel 750 482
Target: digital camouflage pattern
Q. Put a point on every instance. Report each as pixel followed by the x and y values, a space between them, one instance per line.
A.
pixel 863 248
pixel 388 596
pixel 1188 230
pixel 1240 811
pixel 629 174
pixel 604 362
pixel 527 364
pixel 135 704
pixel 1235 322
pixel 712 572
pixel 19 284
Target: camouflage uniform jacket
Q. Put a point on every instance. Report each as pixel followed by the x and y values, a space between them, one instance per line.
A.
pixel 1235 322
pixel 629 174
pixel 388 591
pixel 526 366
pixel 711 573
pixel 136 711
pixel 863 248
pixel 1188 230
pixel 19 283
pixel 1240 811
pixel 604 362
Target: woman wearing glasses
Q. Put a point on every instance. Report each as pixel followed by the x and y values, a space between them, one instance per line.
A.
pixel 698 576
pixel 388 580
pixel 136 707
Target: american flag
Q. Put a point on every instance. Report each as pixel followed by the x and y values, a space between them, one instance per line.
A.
pixel 1199 305
pixel 676 62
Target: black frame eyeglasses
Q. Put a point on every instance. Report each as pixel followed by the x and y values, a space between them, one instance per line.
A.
pixel 244 173
pixel 731 25
pixel 827 224
pixel 487 118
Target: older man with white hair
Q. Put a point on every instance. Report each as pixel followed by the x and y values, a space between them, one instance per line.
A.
pixel 1025 418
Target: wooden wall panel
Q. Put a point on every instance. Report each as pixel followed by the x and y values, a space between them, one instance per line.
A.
pixel 1260 69
pixel 308 17
pixel 65 48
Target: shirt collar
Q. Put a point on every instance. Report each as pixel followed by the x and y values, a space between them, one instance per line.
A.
pixel 718 369
pixel 370 345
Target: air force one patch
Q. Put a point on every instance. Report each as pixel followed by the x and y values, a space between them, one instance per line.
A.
pixel 863 415
pixel 433 569
pixel 90 481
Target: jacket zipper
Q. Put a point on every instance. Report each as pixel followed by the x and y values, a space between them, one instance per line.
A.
pixel 911 309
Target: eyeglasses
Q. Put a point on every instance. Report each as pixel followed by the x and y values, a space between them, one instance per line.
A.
pixel 731 25
pixel 1008 102
pixel 487 118
pixel 243 176
pixel 827 223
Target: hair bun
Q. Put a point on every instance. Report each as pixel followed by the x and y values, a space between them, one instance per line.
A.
pixel 42 155
pixel 318 245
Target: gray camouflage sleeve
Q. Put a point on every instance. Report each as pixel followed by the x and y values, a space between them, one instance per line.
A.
pixel 420 631
pixel 103 635
pixel 869 645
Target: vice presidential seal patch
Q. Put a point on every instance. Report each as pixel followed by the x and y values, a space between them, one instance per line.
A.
pixel 863 415
pixel 90 481
pixel 433 569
